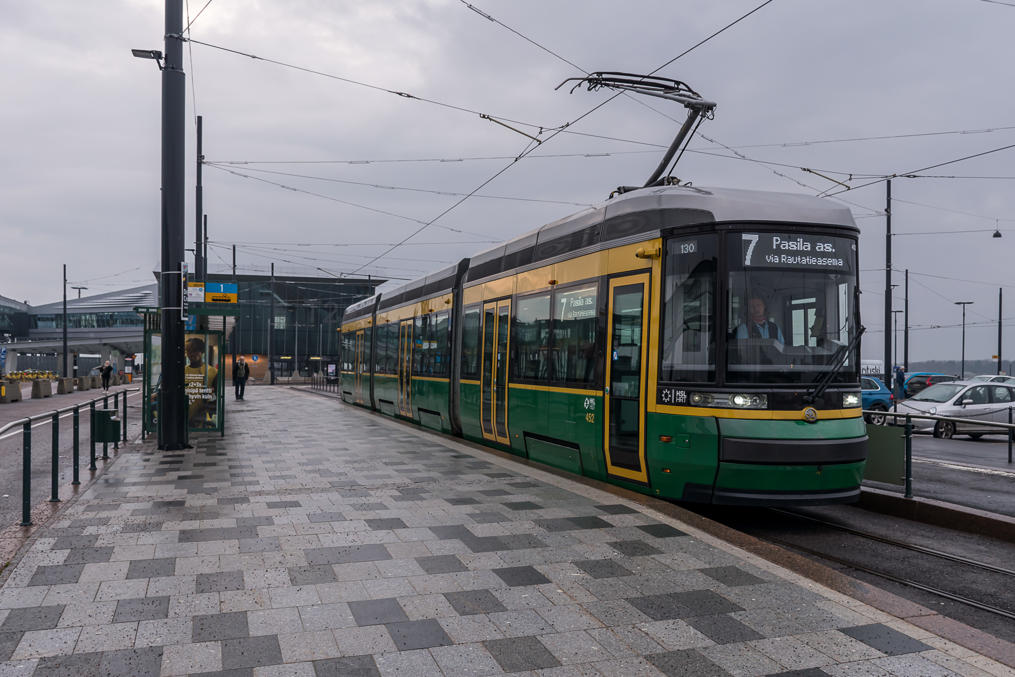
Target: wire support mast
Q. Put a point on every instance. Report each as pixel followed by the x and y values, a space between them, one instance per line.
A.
pixel 698 109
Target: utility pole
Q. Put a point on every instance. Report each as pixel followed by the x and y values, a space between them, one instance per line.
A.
pixel 271 328
pixel 962 375
pixel 1000 293
pixel 63 362
pixel 172 394
pixel 199 269
pixel 905 330
pixel 888 280
pixel 204 250
pixel 236 322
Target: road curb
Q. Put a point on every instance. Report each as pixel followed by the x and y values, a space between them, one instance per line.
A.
pixel 938 513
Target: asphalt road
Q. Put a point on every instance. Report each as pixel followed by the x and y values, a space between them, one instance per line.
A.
pixel 971 473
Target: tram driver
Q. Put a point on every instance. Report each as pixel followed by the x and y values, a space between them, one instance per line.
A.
pixel 758 325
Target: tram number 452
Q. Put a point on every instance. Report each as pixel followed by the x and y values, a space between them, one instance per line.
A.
pixel 590 417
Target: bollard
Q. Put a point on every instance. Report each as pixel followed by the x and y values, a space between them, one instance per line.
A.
pixel 26 474
pixel 91 411
pixel 909 456
pixel 116 407
pixel 124 417
pixel 1009 434
pixel 105 445
pixel 76 463
pixel 54 493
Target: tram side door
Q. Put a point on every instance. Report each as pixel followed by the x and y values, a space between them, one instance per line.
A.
pixel 405 367
pixel 358 367
pixel 627 331
pixel 494 401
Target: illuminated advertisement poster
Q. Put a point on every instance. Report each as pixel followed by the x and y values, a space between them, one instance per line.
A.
pixel 153 380
pixel 201 381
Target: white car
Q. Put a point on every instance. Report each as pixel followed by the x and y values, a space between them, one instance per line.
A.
pixel 994 378
pixel 978 400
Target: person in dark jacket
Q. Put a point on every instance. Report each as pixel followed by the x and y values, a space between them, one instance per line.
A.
pixel 106 371
pixel 240 375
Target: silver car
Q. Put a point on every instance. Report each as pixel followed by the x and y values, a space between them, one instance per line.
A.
pixel 994 378
pixel 977 400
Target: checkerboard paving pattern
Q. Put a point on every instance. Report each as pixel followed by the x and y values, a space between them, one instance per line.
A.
pixel 316 539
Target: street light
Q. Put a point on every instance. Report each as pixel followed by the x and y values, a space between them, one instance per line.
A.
pixel 79 290
pixel 962 375
pixel 895 331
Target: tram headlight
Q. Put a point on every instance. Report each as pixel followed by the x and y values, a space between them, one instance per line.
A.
pixel 850 400
pixel 748 401
pixel 701 399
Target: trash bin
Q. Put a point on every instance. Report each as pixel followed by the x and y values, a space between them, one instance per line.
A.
pixel 106 425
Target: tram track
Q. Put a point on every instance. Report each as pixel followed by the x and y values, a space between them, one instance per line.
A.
pixel 968 589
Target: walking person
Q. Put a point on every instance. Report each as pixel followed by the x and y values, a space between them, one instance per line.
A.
pixel 106 371
pixel 241 372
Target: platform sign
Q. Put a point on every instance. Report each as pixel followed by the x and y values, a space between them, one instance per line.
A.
pixel 195 292
pixel 221 292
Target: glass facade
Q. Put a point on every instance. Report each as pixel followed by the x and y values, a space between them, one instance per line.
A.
pixel 87 320
pixel 308 313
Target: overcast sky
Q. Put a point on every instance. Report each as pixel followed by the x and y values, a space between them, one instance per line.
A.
pixel 81 122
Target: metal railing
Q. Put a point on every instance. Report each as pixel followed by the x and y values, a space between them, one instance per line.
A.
pixel 327 384
pixel 907 426
pixel 54 418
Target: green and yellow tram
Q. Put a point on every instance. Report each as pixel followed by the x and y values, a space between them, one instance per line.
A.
pixel 695 344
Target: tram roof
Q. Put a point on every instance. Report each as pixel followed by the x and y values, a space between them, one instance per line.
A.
pixel 642 210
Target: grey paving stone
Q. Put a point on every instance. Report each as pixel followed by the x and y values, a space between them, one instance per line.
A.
pixel 72 542
pixel 32 618
pixel 683 605
pixel 219 582
pixel 385 523
pixel 349 666
pixel 732 576
pixel 723 629
pixel 885 639
pixel 423 634
pixel 56 574
pixel 616 509
pixel 131 662
pixel 524 575
pixel 441 564
pixel 88 555
pixel 517 654
pixel 216 627
pixel 251 652
pixel 602 568
pixel 470 602
pixel 377 612
pixel 81 664
pixel 9 641
pixel 310 575
pixel 686 662
pixel 522 505
pixel 372 552
pixel 141 609
pixel 319 517
pixel 660 530
pixel 151 568
pixel 634 548
pixel 806 672
pixel 283 504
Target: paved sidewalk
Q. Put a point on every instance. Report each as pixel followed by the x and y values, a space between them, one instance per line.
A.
pixel 315 539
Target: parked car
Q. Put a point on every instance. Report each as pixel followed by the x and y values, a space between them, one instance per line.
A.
pixel 875 396
pixel 994 378
pixel 922 379
pixel 978 400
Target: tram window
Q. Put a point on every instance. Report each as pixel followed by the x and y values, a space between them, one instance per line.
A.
pixel 347 350
pixel 441 336
pixel 791 307
pixel 379 350
pixel 575 321
pixel 689 335
pixel 420 354
pixel 530 339
pixel 470 343
pixel 391 363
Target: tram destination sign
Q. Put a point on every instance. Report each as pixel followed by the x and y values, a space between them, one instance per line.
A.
pixel 797 250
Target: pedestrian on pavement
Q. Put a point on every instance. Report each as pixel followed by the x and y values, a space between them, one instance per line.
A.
pixel 106 371
pixel 240 375
pixel 900 382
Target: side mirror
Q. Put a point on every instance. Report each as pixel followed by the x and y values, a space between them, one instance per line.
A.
pixel 965 402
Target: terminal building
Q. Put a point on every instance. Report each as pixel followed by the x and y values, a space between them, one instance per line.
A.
pixel 307 314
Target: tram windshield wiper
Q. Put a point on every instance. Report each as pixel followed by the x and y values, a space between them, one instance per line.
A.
pixel 819 386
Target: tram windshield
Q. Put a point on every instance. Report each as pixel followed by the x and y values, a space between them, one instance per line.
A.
pixel 791 307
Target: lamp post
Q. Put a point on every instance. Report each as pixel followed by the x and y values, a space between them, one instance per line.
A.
pixel 962 374
pixel 895 329
pixel 79 289
pixel 63 361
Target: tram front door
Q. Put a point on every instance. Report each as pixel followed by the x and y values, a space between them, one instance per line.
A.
pixel 624 437
pixel 405 367
pixel 358 368
pixel 493 407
